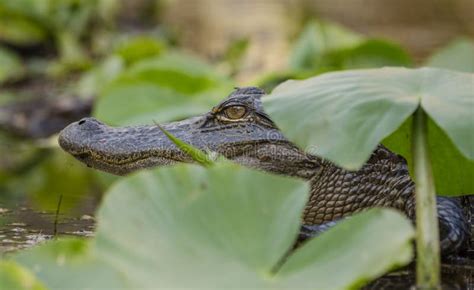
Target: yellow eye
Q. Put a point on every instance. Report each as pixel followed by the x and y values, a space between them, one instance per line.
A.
pixel 235 112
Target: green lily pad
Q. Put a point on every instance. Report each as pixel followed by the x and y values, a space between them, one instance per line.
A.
pixel 93 81
pixel 457 55
pixel 138 48
pixel 452 171
pixel 15 277
pixel 176 71
pixel 324 47
pixel 212 228
pixel 161 89
pixel 342 116
pixel 371 53
pixel 140 102
pixel 70 264
pixel 320 257
pixel 316 40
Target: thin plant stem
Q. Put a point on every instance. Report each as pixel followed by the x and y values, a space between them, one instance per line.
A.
pixel 56 217
pixel 427 235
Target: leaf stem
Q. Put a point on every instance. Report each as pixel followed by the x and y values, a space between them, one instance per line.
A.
pixel 427 236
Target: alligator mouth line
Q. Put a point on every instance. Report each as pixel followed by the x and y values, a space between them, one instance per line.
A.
pixel 89 155
pixel 168 154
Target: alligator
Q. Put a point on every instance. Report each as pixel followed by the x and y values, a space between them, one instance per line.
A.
pixel 239 129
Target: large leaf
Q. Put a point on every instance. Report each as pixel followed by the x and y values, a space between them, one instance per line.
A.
pixel 139 47
pixel 342 116
pixel 371 53
pixel 317 39
pixel 15 277
pixel 180 72
pixel 225 226
pixel 161 89
pixel 452 171
pixel 71 264
pixel 140 102
pixel 320 261
pixel 324 47
pixel 457 55
pixel 198 221
pixel 92 82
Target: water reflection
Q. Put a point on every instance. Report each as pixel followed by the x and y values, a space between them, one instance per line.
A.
pixel 23 227
pixel 32 181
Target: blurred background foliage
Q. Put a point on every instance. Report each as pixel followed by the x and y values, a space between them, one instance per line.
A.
pixel 135 62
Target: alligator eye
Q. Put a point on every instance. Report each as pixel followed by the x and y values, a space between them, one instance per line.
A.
pixel 235 112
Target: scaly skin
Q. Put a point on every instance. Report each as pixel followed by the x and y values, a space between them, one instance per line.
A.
pixel 239 129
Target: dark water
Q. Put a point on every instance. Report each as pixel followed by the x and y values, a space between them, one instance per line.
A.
pixel 23 227
pixel 454 277
pixel 34 184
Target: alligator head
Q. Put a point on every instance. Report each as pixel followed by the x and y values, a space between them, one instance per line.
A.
pixel 237 128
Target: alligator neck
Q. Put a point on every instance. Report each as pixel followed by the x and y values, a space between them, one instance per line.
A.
pixel 383 181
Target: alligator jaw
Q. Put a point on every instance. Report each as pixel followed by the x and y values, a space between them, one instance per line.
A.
pixel 124 149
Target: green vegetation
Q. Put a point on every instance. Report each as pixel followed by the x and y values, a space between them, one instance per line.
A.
pixel 456 56
pixel 221 225
pixel 10 65
pixel 197 155
pixel 218 227
pixel 13 276
pixel 342 116
pixel 325 46
pixel 185 86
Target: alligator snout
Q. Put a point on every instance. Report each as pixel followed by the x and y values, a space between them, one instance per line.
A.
pixel 75 137
pixel 121 150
